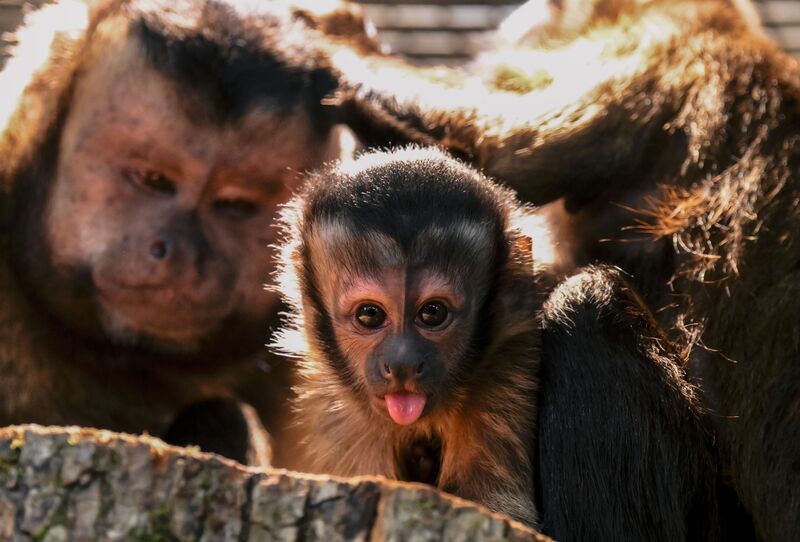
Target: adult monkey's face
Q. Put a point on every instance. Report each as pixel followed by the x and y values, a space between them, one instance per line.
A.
pixel 158 224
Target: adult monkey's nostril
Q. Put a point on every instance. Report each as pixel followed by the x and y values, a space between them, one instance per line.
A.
pixel 158 250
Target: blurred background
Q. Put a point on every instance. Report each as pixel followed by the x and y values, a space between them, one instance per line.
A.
pixel 453 31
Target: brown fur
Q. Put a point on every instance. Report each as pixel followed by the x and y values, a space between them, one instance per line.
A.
pixel 583 400
pixel 682 124
pixel 95 328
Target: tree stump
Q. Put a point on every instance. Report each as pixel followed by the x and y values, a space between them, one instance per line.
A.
pixel 73 484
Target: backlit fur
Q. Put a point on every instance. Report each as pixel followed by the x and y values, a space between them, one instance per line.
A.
pixel 389 209
pixel 666 135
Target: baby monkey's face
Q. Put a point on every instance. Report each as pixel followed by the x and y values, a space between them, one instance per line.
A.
pixel 405 333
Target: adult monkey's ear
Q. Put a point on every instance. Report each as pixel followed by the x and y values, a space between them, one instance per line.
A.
pixel 519 293
pixel 339 19
pixel 334 26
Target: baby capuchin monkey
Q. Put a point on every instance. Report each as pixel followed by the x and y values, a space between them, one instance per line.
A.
pixel 415 322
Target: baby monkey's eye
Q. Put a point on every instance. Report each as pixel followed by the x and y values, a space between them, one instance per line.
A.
pixel 432 314
pixel 370 316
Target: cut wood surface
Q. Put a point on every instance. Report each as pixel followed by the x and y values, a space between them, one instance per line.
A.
pixel 72 484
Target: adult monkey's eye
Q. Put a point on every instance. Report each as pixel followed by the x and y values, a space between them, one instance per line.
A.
pixel 238 208
pixel 158 182
pixel 370 316
pixel 432 314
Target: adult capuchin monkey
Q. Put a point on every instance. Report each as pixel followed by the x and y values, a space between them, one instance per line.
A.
pixel 420 322
pixel 145 147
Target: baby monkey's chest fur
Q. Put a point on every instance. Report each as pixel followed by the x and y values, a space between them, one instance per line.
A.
pixel 419 460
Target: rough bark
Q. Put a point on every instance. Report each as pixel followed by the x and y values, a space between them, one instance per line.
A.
pixel 73 484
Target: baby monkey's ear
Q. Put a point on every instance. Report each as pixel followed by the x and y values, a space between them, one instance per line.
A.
pixel 518 296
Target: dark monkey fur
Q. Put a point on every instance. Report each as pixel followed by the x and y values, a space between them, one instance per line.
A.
pixel 420 322
pixel 666 134
pixel 145 147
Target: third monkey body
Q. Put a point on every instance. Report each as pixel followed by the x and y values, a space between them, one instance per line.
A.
pixel 673 155
pixel 426 343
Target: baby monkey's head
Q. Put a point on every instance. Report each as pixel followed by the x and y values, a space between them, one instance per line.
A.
pixel 403 269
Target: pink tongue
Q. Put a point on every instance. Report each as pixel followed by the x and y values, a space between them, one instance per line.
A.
pixel 405 408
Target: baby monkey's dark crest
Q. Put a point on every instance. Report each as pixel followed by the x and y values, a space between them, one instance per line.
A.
pixel 415 303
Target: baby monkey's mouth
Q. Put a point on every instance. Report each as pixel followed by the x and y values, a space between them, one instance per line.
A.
pixel 404 407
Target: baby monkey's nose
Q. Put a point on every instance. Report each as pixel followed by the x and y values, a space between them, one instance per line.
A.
pixel 402 369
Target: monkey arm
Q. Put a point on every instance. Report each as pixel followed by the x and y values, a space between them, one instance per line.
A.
pixel 611 387
pixel 520 139
pixel 592 122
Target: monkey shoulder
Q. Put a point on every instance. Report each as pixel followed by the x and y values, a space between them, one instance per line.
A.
pixel 595 323
pixel 596 298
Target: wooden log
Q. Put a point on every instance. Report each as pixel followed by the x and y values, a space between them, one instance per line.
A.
pixel 73 484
